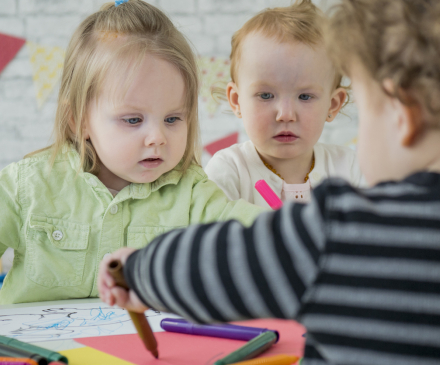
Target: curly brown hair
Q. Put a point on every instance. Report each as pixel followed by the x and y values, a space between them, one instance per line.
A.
pixel 393 39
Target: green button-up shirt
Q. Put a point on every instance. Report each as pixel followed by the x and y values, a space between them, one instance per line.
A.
pixel 61 222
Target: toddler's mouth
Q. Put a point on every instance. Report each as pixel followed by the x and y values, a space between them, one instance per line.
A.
pixel 285 137
pixel 151 162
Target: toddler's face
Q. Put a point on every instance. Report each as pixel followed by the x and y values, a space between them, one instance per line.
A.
pixel 143 133
pixel 284 93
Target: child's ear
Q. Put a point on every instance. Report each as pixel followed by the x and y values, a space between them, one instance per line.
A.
pixel 410 124
pixel 337 101
pixel 72 126
pixel 232 94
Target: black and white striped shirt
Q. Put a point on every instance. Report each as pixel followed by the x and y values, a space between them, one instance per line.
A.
pixel 360 269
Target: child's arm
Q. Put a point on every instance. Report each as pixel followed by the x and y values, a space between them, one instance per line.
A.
pixel 225 272
pixel 10 219
pixel 209 204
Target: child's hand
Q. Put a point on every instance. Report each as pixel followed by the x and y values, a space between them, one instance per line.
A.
pixel 112 294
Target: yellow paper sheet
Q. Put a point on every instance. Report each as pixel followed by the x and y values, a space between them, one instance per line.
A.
pixel 89 356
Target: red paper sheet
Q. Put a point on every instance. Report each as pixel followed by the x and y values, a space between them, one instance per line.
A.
pixel 222 143
pixel 9 48
pixel 178 349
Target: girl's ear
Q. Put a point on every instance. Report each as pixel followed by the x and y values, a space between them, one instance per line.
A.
pixel 337 101
pixel 72 126
pixel 232 94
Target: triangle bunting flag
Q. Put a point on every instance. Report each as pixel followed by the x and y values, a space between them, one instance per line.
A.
pixel 214 73
pixel 47 64
pixel 9 47
pixel 221 143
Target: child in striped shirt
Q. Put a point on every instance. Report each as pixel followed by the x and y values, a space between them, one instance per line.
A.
pixel 359 268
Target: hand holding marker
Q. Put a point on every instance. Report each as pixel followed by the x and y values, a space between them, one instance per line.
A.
pixel 140 322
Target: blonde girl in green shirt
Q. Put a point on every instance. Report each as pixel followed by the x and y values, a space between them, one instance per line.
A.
pixel 124 166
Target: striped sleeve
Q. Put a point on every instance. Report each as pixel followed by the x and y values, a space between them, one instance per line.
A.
pixel 224 271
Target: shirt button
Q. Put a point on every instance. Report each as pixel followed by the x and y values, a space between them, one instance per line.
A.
pixel 107 255
pixel 92 182
pixel 114 209
pixel 57 235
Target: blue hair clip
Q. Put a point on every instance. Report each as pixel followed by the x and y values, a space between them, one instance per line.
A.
pixel 119 2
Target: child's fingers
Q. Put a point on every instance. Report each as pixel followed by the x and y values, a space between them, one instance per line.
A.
pixel 119 295
pixel 106 283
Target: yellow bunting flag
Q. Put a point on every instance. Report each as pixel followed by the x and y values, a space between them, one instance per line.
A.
pixel 215 73
pixel 47 64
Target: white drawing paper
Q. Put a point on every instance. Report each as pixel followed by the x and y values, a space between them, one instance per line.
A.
pixel 60 322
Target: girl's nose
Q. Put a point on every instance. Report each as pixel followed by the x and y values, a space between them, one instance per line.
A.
pixel 155 136
pixel 286 112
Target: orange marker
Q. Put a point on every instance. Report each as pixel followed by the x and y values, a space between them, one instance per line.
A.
pixel 272 360
pixel 17 361
pixel 140 322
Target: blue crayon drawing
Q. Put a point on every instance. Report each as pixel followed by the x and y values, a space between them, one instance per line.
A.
pixel 66 322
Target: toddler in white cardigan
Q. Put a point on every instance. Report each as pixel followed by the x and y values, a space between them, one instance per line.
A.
pixel 285 88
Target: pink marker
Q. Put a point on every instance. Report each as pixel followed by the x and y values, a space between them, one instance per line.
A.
pixel 268 194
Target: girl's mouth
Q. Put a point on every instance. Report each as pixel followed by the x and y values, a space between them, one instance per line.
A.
pixel 285 137
pixel 151 163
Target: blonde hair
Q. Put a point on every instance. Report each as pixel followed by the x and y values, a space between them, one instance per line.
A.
pixel 299 22
pixel 392 39
pixel 94 53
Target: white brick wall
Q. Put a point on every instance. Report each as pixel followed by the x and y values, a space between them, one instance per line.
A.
pixel 209 24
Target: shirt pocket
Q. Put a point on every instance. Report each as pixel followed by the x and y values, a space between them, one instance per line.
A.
pixel 138 237
pixel 55 251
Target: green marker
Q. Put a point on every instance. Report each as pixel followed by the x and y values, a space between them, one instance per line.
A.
pixel 253 348
pixel 48 354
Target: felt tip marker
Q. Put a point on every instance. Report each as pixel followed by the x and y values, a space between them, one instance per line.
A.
pixel 272 360
pixel 9 351
pixel 139 320
pixel 16 361
pixel 252 349
pixel 230 331
pixel 268 194
pixel 48 354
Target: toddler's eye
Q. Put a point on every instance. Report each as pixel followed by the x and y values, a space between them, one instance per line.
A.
pixel 133 121
pixel 266 96
pixel 304 97
pixel 172 120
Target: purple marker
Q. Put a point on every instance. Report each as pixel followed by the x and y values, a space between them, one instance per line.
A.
pixel 230 331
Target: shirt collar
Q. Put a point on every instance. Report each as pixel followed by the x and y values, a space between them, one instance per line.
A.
pixel 137 191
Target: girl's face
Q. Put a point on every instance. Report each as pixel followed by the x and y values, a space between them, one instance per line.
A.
pixel 284 93
pixel 143 134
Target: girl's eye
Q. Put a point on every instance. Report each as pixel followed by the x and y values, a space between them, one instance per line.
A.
pixel 266 96
pixel 304 97
pixel 172 120
pixel 133 121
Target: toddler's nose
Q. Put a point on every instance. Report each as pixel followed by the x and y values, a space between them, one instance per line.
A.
pixel 286 112
pixel 155 137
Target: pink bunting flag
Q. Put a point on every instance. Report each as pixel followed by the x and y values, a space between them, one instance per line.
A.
pixel 222 143
pixel 9 47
